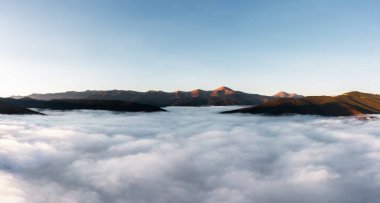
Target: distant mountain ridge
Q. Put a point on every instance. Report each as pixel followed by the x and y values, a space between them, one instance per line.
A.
pixel 220 96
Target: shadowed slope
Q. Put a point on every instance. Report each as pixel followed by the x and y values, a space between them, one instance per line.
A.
pixel 110 105
pixel 75 104
pixel 13 110
pixel 349 104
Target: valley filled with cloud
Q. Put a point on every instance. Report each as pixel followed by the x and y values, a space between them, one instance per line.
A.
pixel 187 155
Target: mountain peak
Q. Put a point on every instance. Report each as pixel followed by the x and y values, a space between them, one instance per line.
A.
pixel 222 91
pixel 196 92
pixel 223 88
pixel 283 94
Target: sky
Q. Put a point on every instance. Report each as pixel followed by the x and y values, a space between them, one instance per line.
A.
pixel 310 47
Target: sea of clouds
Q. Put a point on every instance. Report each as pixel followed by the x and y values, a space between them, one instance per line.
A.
pixel 188 155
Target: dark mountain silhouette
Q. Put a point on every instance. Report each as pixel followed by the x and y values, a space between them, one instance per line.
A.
pixel 111 105
pixel 348 104
pixel 198 97
pixel 25 102
pixel 287 95
pixel 13 110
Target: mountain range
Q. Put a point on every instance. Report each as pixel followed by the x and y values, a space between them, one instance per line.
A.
pixel 130 101
pixel 348 104
pixel 218 97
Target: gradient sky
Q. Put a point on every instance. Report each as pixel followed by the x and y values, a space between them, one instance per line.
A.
pixel 310 47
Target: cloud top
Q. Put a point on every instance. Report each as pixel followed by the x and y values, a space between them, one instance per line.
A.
pixel 188 155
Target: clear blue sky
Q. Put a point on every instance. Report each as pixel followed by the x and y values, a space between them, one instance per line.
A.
pixel 310 47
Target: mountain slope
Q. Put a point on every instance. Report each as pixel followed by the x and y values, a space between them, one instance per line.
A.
pixel 349 104
pixel 219 96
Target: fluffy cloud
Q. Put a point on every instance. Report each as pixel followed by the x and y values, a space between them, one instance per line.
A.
pixel 187 155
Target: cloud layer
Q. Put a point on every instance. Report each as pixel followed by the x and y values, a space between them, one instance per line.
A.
pixel 187 155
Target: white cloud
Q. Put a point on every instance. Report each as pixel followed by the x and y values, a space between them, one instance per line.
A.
pixel 187 155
